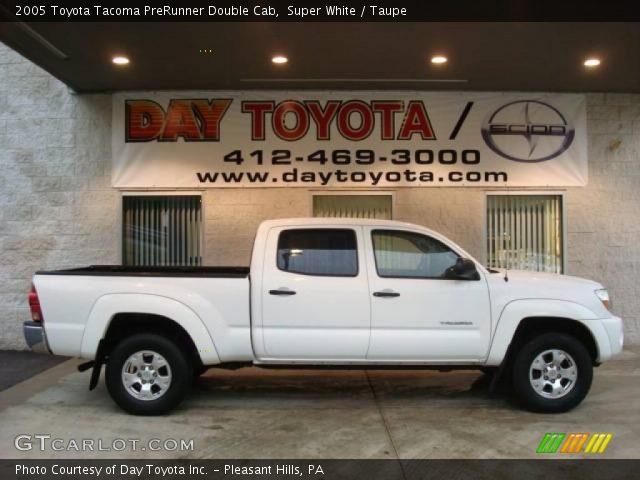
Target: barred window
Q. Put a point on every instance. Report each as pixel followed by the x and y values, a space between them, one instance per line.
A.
pixel 353 206
pixel 525 232
pixel 162 230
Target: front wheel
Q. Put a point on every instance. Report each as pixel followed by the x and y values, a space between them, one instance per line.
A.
pixel 147 374
pixel 552 373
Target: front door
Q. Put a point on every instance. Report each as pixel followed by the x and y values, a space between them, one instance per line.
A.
pixel 417 314
pixel 315 298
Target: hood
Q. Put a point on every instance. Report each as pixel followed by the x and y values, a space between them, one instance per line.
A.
pixel 546 280
pixel 527 285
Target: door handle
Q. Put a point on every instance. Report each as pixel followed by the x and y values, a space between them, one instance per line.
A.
pixel 386 294
pixel 282 291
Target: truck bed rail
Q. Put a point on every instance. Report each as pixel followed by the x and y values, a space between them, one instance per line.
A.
pixel 147 271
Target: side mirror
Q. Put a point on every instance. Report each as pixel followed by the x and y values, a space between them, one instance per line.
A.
pixel 464 269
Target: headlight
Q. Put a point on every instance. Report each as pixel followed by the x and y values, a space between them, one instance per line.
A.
pixel 603 295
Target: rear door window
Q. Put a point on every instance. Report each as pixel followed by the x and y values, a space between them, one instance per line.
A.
pixel 318 251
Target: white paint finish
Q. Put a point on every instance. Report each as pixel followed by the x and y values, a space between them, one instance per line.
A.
pixel 614 328
pixel 109 305
pixel 523 285
pixel 435 320
pixel 330 319
pixel 537 294
pixel 73 305
pixel 327 318
pixel 517 310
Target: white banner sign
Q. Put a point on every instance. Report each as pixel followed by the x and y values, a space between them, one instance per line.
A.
pixel 348 139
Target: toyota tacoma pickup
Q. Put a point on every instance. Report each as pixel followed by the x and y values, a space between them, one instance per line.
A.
pixel 331 293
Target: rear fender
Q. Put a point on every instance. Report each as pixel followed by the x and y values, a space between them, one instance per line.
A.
pixel 108 306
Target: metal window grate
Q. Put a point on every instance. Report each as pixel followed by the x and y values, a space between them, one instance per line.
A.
pixel 525 232
pixel 162 230
pixel 353 206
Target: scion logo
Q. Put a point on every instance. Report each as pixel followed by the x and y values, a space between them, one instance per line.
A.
pixel 527 131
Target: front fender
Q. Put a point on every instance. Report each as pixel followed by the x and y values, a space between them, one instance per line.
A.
pixel 516 311
pixel 107 306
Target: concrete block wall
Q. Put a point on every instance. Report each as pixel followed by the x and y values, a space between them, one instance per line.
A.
pixel 57 208
pixel 233 215
pixel 603 219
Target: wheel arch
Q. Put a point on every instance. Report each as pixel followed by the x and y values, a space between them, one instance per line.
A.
pixel 126 324
pixel 525 316
pixel 531 327
pixel 114 314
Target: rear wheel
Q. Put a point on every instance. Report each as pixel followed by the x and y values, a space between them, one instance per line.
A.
pixel 148 374
pixel 552 373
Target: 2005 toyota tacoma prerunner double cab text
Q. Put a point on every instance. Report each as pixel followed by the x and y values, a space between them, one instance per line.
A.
pixel 330 293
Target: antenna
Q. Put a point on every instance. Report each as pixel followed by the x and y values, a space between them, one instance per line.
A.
pixel 506 261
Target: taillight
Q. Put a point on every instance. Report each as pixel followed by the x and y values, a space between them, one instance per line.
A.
pixel 34 305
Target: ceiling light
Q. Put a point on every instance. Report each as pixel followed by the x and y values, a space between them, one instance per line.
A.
pixel 438 59
pixel 120 60
pixel 279 59
pixel 591 62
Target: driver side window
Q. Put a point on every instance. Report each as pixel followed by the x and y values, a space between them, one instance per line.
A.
pixel 401 254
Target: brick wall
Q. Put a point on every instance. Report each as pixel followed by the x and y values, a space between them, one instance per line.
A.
pixel 58 210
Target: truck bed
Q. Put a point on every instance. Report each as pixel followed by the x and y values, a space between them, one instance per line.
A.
pixel 146 271
pixel 78 305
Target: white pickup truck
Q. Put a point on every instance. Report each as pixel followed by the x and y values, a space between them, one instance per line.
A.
pixel 330 293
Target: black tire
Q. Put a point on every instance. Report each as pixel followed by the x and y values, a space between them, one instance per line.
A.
pixel 525 392
pixel 180 368
pixel 198 371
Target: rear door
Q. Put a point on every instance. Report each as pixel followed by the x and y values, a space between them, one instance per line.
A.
pixel 315 296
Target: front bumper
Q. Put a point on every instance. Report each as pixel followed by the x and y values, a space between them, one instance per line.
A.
pixel 608 334
pixel 35 337
pixel 615 332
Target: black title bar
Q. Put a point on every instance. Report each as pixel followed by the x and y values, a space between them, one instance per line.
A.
pixel 319 11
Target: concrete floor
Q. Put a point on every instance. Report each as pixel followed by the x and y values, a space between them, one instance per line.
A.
pixel 17 366
pixel 254 413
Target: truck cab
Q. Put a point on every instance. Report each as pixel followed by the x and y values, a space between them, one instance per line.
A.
pixel 348 291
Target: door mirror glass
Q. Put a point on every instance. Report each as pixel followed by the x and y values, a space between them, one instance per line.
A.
pixel 463 269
